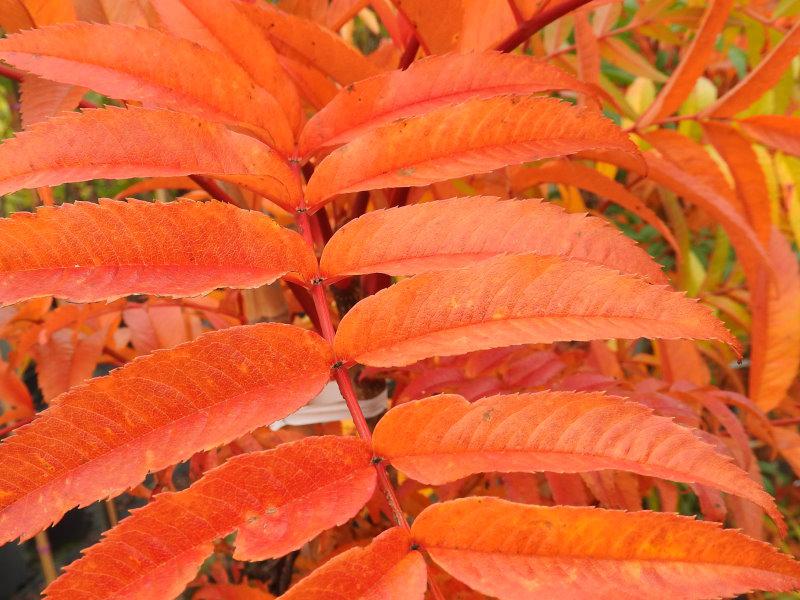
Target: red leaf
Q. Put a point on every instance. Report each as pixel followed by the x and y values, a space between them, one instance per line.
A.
pixel 386 569
pixel 515 300
pixel 86 252
pixel 409 240
pixel 102 437
pixel 443 438
pixel 428 84
pixel 516 551
pixel 118 143
pixel 282 498
pixel 475 136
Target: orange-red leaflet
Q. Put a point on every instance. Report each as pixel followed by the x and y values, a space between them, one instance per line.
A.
pixel 476 136
pixel 219 25
pixel 776 131
pixel 102 437
pixel 277 500
pixel 117 143
pixel 315 44
pixel 513 300
pixel 429 83
pixel 385 569
pixel 586 178
pixel 443 438
pixel 146 65
pixel 86 252
pixel 409 240
pixel 518 552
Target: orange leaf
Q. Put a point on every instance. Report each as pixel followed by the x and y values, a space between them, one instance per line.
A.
pixel 776 131
pixel 775 336
pixel 409 240
pixel 751 184
pixel 759 80
pixel 716 202
pixel 281 498
pixel 518 551
pixel 230 591
pixel 443 438
pixel 100 438
pixel 16 403
pixel 428 84
pixel 87 252
pixel 70 357
pixel 312 42
pixel 219 25
pixel 437 24
pixel 586 178
pixel 693 62
pixel 134 63
pixel 387 568
pixel 515 300
pixel 40 99
pixel 14 16
pixel 117 143
pixel 475 136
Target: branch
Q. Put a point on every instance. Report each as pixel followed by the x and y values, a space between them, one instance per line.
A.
pixel 538 21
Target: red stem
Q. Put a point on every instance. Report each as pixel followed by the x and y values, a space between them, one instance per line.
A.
pixel 213 189
pixel 538 21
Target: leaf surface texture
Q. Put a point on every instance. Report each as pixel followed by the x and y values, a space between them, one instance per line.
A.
pixel 513 300
pixel 86 252
pixel 517 552
pixel 102 437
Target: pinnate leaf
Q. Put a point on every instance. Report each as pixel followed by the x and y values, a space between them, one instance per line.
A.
pixel 119 143
pixel 516 551
pixel 428 84
pixel 102 437
pixel 409 240
pixel 475 136
pixel 283 497
pixel 134 63
pixel 86 252
pixel 387 568
pixel 443 438
pixel 513 300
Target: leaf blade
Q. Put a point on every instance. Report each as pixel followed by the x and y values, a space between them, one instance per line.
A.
pixel 407 240
pixel 271 369
pixel 116 143
pixel 643 554
pixel 475 136
pixel 514 300
pixel 428 84
pixel 182 248
pixel 165 72
pixel 443 438
pixel 292 493
pixel 386 568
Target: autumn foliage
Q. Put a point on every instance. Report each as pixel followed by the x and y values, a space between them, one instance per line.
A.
pixel 560 236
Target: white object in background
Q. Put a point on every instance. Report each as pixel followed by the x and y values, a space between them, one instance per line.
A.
pixel 330 406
